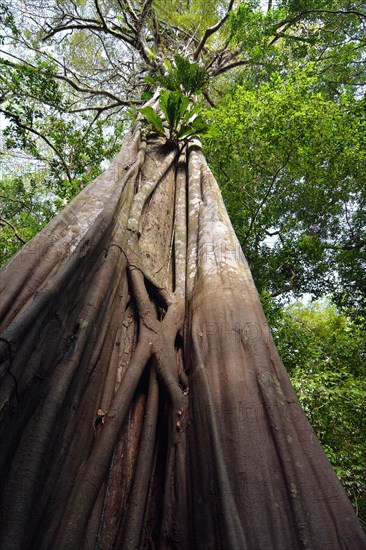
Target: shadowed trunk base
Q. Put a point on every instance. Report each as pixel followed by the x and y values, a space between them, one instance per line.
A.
pixel 142 400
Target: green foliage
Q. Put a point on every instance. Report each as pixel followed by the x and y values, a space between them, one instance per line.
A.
pixel 48 155
pixel 182 80
pixel 193 16
pixel 329 34
pixel 25 205
pixel 35 81
pixel 153 120
pixel 325 353
pixel 7 21
pixel 183 76
pixel 179 114
pixel 295 183
pixel 35 186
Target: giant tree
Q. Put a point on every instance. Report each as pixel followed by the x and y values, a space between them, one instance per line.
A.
pixel 143 402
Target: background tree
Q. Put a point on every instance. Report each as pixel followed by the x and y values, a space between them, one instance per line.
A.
pixel 294 187
pixel 324 353
pixel 139 284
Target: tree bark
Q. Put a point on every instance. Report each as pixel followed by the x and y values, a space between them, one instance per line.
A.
pixel 143 402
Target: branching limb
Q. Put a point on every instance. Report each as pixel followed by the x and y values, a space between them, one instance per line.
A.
pixel 16 119
pixel 360 14
pixel 225 68
pixel 211 30
pixel 146 309
pixel 73 83
pixel 166 355
pixel 3 221
pixel 99 108
pixel 146 10
pixel 97 7
pixel 98 27
pixel 219 56
pixel 105 93
pixel 208 98
pixel 287 288
pixel 282 26
pixel 132 34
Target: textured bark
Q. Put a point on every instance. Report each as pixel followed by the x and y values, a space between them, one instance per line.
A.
pixel 143 403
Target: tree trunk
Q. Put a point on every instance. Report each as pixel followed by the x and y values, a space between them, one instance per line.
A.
pixel 143 402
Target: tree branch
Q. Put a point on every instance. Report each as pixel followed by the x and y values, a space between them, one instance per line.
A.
pixel 209 99
pixel 16 119
pixel 75 85
pixel 287 288
pixel 233 65
pixel 211 30
pixel 3 221
pixel 302 14
pixel 17 201
pixel 266 195
pixel 130 10
pixel 121 35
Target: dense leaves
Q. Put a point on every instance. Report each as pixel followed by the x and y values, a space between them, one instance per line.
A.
pixel 295 186
pixel 48 155
pixel 325 354
pixel 182 76
pixel 180 116
pixel 24 209
pixel 328 34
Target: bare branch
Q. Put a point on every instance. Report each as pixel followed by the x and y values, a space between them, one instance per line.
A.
pixel 134 35
pixel 97 7
pixel 121 34
pixel 211 30
pixel 130 10
pixel 233 65
pixel 3 221
pixel 75 85
pixel 104 93
pixel 98 108
pixel 302 14
pixel 208 98
pixel 146 9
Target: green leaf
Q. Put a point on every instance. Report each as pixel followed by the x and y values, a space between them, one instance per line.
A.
pixel 146 95
pixel 172 103
pixel 196 127
pixel 153 118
